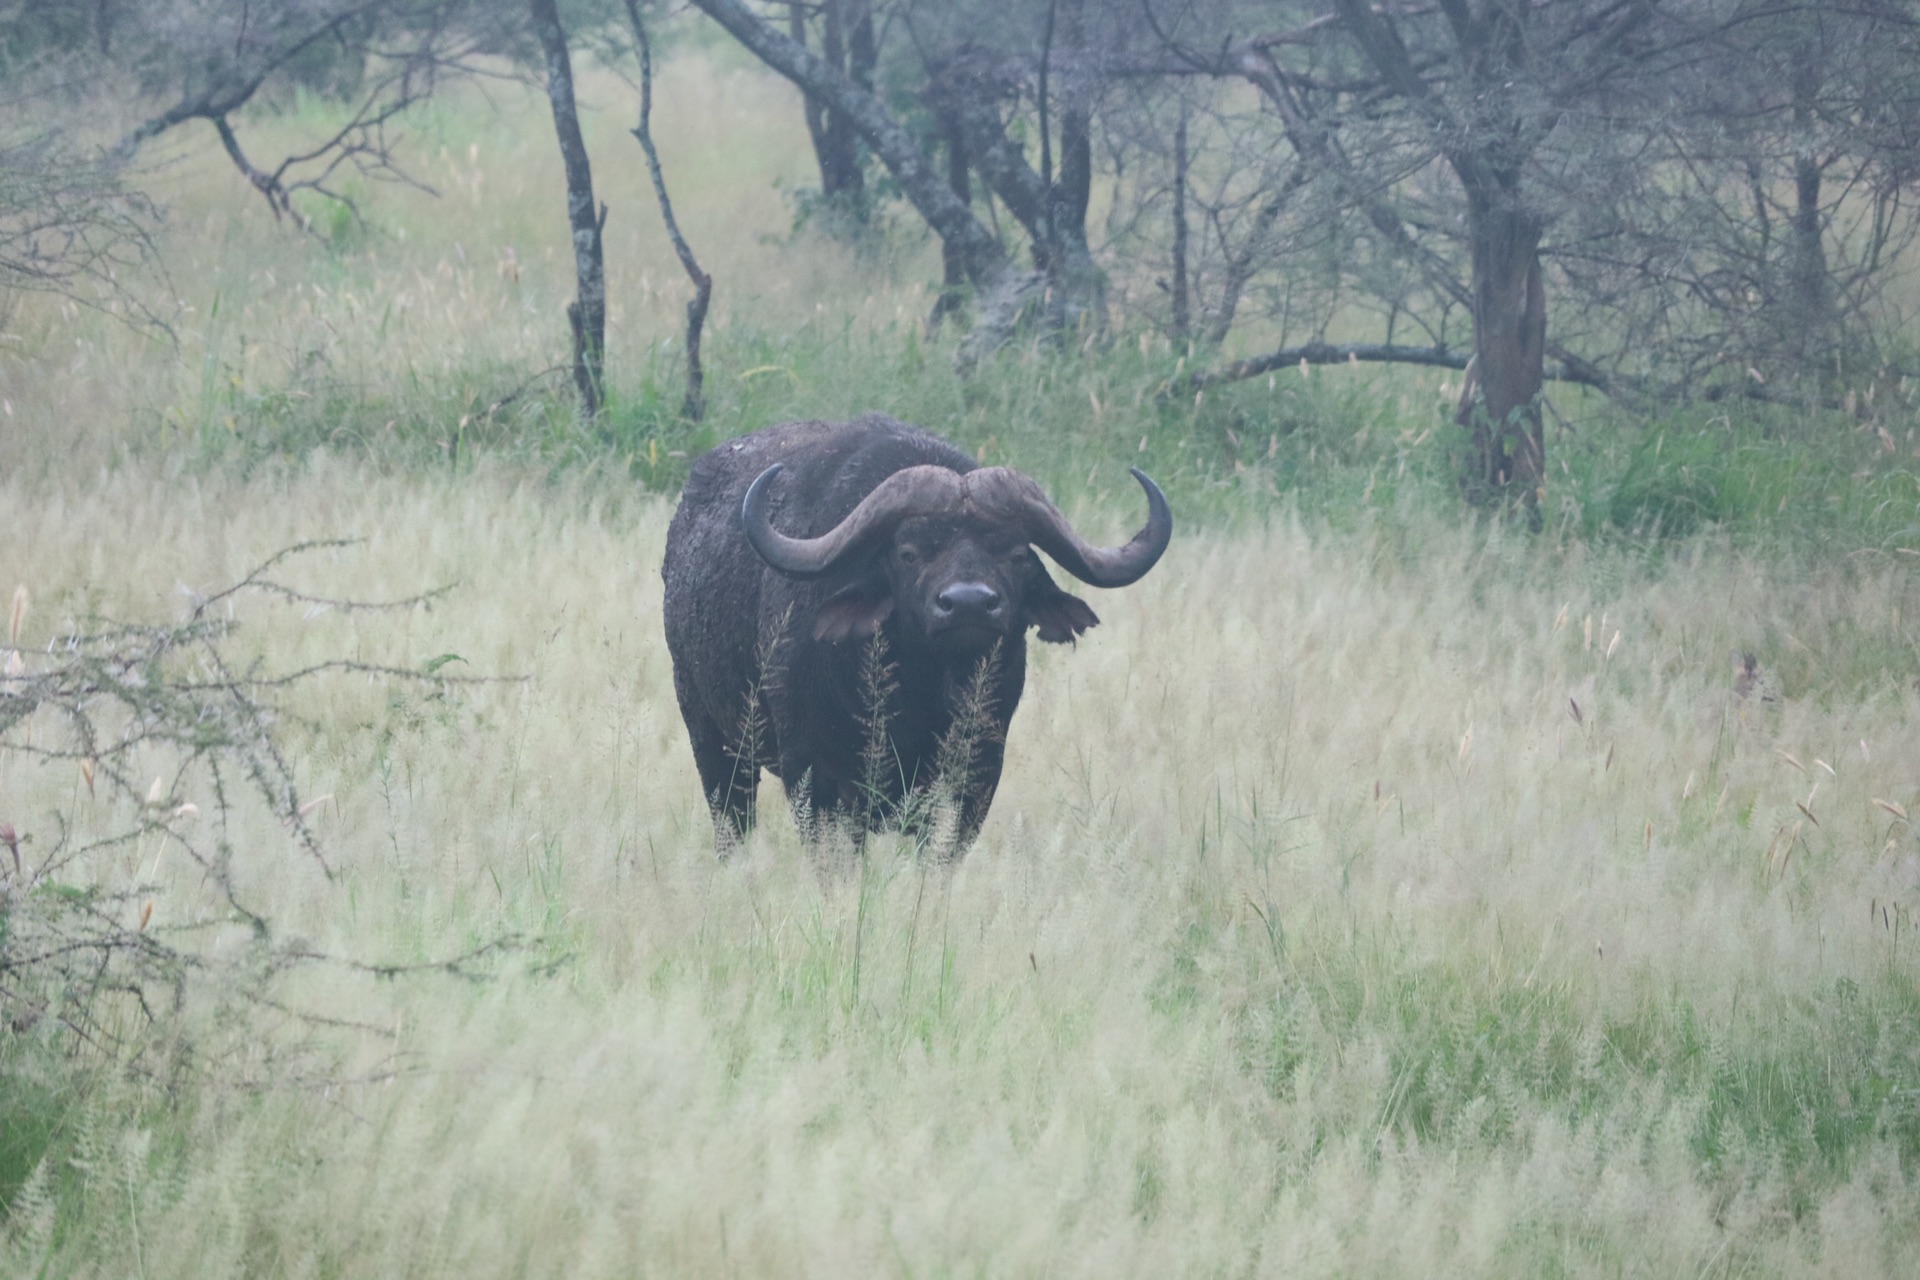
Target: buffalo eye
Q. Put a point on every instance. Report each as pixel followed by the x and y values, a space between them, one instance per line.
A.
pixel 907 555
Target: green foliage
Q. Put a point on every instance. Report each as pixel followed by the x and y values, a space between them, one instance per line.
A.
pixel 1337 444
pixel 31 1113
pixel 1672 494
pixel 1476 1056
pixel 1761 473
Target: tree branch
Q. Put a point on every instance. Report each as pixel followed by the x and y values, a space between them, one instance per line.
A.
pixel 1572 368
pixel 694 406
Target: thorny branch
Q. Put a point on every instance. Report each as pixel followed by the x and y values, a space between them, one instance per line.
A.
pixel 409 49
pixel 70 225
pixel 120 702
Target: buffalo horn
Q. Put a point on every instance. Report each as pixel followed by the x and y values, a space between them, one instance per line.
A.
pixel 1022 500
pixel 925 490
pixel 996 494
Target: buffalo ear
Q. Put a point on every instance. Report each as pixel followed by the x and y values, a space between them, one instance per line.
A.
pixel 856 610
pixel 1060 617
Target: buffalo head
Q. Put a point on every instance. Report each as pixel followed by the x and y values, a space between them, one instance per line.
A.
pixel 950 556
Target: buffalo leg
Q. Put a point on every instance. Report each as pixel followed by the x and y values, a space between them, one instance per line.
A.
pixel 978 798
pixel 730 782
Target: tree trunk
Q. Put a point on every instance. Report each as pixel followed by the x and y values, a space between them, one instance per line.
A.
pixel 863 57
pixel 1074 191
pixel 999 285
pixel 953 272
pixel 1487 151
pixel 587 314
pixel 1079 285
pixel 1809 311
pixel 1053 215
pixel 1809 314
pixel 847 46
pixel 812 109
pixel 1182 317
pixel 1502 411
pixel 840 163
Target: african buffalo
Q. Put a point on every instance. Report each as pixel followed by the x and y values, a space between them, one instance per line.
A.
pixel 847 600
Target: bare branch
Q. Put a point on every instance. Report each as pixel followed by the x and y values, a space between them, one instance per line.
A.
pixel 70 225
pixel 1572 370
pixel 694 406
pixel 88 953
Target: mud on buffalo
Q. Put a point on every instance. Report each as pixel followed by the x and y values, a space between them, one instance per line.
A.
pixel 847 606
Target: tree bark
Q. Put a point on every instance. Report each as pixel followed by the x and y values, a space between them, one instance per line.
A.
pixel 1503 416
pixel 587 314
pixel 953 272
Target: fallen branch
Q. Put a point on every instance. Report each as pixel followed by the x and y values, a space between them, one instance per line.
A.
pixel 1570 370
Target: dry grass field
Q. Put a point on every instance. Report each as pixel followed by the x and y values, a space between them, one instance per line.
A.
pixel 1390 895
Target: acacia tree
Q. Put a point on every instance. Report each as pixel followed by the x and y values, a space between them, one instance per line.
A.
pixel 1760 236
pixel 1496 95
pixel 694 405
pixel 978 90
pixel 208 61
pixel 71 217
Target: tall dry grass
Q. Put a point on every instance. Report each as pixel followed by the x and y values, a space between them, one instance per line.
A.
pixel 1312 932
